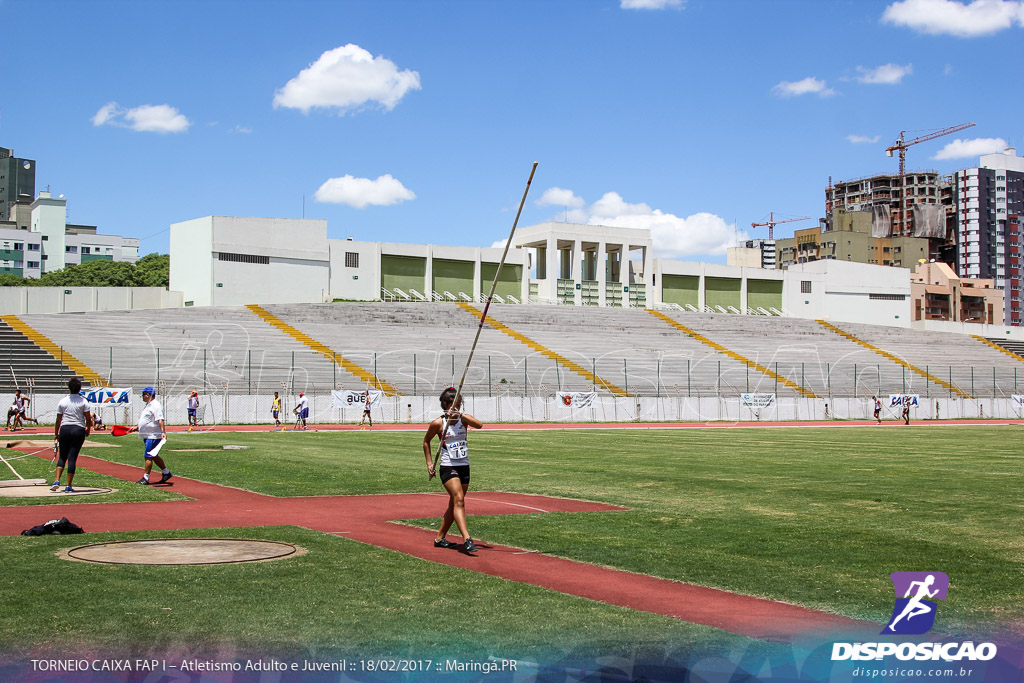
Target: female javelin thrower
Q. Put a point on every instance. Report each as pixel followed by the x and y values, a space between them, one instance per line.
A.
pixel 454 466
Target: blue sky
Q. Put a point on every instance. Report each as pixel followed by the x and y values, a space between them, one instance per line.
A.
pixel 417 121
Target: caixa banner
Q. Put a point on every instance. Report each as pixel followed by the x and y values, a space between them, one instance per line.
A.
pixel 107 396
pixel 900 400
pixel 757 400
pixel 355 399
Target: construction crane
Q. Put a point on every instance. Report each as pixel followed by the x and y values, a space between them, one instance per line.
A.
pixel 771 223
pixel 901 145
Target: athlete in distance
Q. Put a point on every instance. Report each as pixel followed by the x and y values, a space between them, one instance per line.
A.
pixel 453 466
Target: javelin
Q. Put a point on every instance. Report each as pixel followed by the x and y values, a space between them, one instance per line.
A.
pixel 483 317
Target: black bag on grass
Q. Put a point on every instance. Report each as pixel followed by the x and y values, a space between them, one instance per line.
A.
pixel 54 526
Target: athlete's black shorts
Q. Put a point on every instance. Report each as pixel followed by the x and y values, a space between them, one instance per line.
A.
pixel 460 471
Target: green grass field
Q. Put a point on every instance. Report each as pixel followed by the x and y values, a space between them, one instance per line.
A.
pixel 813 516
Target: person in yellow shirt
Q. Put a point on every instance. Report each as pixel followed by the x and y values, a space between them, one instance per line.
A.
pixel 275 409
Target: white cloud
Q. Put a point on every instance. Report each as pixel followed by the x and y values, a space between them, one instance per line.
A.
pixel 962 149
pixel 556 196
pixel 362 192
pixel 887 74
pixel 809 85
pixel 673 236
pixel 146 118
pixel 862 139
pixel 240 129
pixel 652 4
pixel 347 78
pixel 950 17
pixel 106 112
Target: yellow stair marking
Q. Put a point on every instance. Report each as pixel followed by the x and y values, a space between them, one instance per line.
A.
pixel 997 347
pixel 545 351
pixel 895 359
pixel 323 350
pixel 803 391
pixel 65 357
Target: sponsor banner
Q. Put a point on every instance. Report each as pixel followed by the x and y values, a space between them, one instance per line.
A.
pixel 355 399
pixel 576 399
pixel 1018 399
pixel 898 400
pixel 107 396
pixel 757 400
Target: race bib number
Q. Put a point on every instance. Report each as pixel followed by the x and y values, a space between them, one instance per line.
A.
pixel 457 449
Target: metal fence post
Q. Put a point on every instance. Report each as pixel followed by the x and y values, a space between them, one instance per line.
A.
pixel 927 383
pixel 488 374
pixel 972 380
pixel 904 369
pixel 855 380
pixel 658 389
pixel 994 386
pixel 414 373
pixel 625 377
pixel 688 393
pixel 593 375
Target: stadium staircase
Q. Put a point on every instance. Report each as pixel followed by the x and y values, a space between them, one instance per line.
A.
pixel 1003 346
pixel 803 391
pixel 322 349
pixel 33 355
pixel 895 359
pixel 543 350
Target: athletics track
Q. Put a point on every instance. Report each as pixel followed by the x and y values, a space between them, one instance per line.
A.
pixel 369 519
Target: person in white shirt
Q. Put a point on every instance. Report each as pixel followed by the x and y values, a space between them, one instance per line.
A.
pixel 74 422
pixel 302 408
pixel 151 429
pixel 193 410
pixel 454 466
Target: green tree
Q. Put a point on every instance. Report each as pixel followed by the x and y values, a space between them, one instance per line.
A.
pixel 10 280
pixel 153 270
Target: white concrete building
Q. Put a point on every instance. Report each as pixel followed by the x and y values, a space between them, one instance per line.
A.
pixel 587 265
pixel 848 292
pixel 226 261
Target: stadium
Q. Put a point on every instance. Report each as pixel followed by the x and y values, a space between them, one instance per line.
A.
pixel 658 493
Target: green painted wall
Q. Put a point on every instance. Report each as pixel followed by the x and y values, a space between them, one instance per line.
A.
pixel 12 271
pixel 764 293
pixel 11 255
pixel 680 289
pixel 510 283
pixel 453 276
pixel 96 257
pixel 404 272
pixel 722 291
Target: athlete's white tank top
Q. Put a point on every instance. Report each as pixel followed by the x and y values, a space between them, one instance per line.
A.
pixel 455 451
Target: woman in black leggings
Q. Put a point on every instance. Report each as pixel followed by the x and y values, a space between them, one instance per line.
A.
pixel 74 422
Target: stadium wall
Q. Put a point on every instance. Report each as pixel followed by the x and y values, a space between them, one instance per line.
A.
pixel 24 300
pixel 251 409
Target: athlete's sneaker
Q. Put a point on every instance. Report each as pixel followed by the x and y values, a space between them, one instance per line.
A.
pixel 56 485
pixel 143 481
pixel 165 477
pixel 469 546
pixel 68 489
pixel 443 543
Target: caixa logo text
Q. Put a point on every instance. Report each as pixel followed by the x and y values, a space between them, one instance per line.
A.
pixel 947 652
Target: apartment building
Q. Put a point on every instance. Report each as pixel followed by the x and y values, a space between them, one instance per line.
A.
pixel 849 237
pixel 985 209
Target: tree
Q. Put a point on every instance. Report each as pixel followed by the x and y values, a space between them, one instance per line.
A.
pixel 152 270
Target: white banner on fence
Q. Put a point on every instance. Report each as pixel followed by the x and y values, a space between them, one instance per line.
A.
pixel 899 399
pixel 355 399
pixel 1018 399
pixel 757 400
pixel 577 399
pixel 108 397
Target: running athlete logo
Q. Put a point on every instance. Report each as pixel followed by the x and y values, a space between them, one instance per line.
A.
pixel 916 592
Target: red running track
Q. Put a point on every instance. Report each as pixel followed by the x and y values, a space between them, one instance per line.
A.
pixel 368 519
